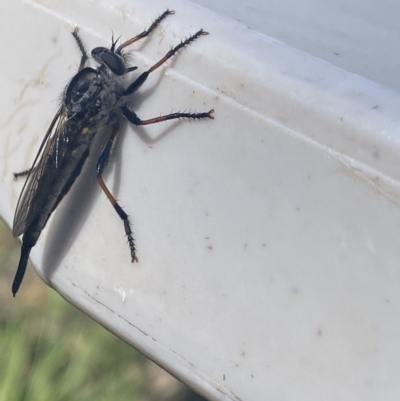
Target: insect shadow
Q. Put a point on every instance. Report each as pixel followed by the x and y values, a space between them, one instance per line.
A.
pixel 75 209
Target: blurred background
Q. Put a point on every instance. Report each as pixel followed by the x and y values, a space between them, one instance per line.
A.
pixel 52 351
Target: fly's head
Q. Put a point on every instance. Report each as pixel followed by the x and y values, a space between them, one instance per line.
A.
pixel 112 57
pixel 115 62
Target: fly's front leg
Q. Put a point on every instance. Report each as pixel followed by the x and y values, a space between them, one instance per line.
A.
pixel 101 164
pixel 145 32
pixel 81 48
pixel 142 78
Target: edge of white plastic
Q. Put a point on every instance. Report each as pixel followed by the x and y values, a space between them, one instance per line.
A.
pixel 260 234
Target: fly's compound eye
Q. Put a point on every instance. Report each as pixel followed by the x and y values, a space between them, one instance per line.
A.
pixel 113 61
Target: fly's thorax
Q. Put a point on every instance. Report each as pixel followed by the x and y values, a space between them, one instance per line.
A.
pixel 110 93
pixel 93 93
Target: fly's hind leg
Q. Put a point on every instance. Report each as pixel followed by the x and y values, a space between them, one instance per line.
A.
pixel 101 164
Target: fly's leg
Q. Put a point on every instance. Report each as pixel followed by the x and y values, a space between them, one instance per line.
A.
pixel 134 119
pixel 81 48
pixel 142 78
pixel 101 164
pixel 22 173
pixel 146 32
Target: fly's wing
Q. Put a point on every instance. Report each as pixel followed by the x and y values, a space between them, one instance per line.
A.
pixel 51 142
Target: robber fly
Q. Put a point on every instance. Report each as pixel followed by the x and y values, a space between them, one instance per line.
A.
pixel 94 98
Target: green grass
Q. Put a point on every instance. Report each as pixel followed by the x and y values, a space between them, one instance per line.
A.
pixel 51 351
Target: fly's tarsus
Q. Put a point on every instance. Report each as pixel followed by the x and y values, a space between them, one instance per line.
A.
pixel 184 43
pixel 21 174
pixel 94 98
pixel 176 49
pixel 124 217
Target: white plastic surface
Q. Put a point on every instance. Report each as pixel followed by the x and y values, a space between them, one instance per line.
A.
pixel 268 239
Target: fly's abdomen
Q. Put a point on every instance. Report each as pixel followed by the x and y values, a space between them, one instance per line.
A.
pixel 60 170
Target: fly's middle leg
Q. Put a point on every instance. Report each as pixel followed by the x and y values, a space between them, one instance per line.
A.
pixel 134 119
pixel 143 77
pixel 101 164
